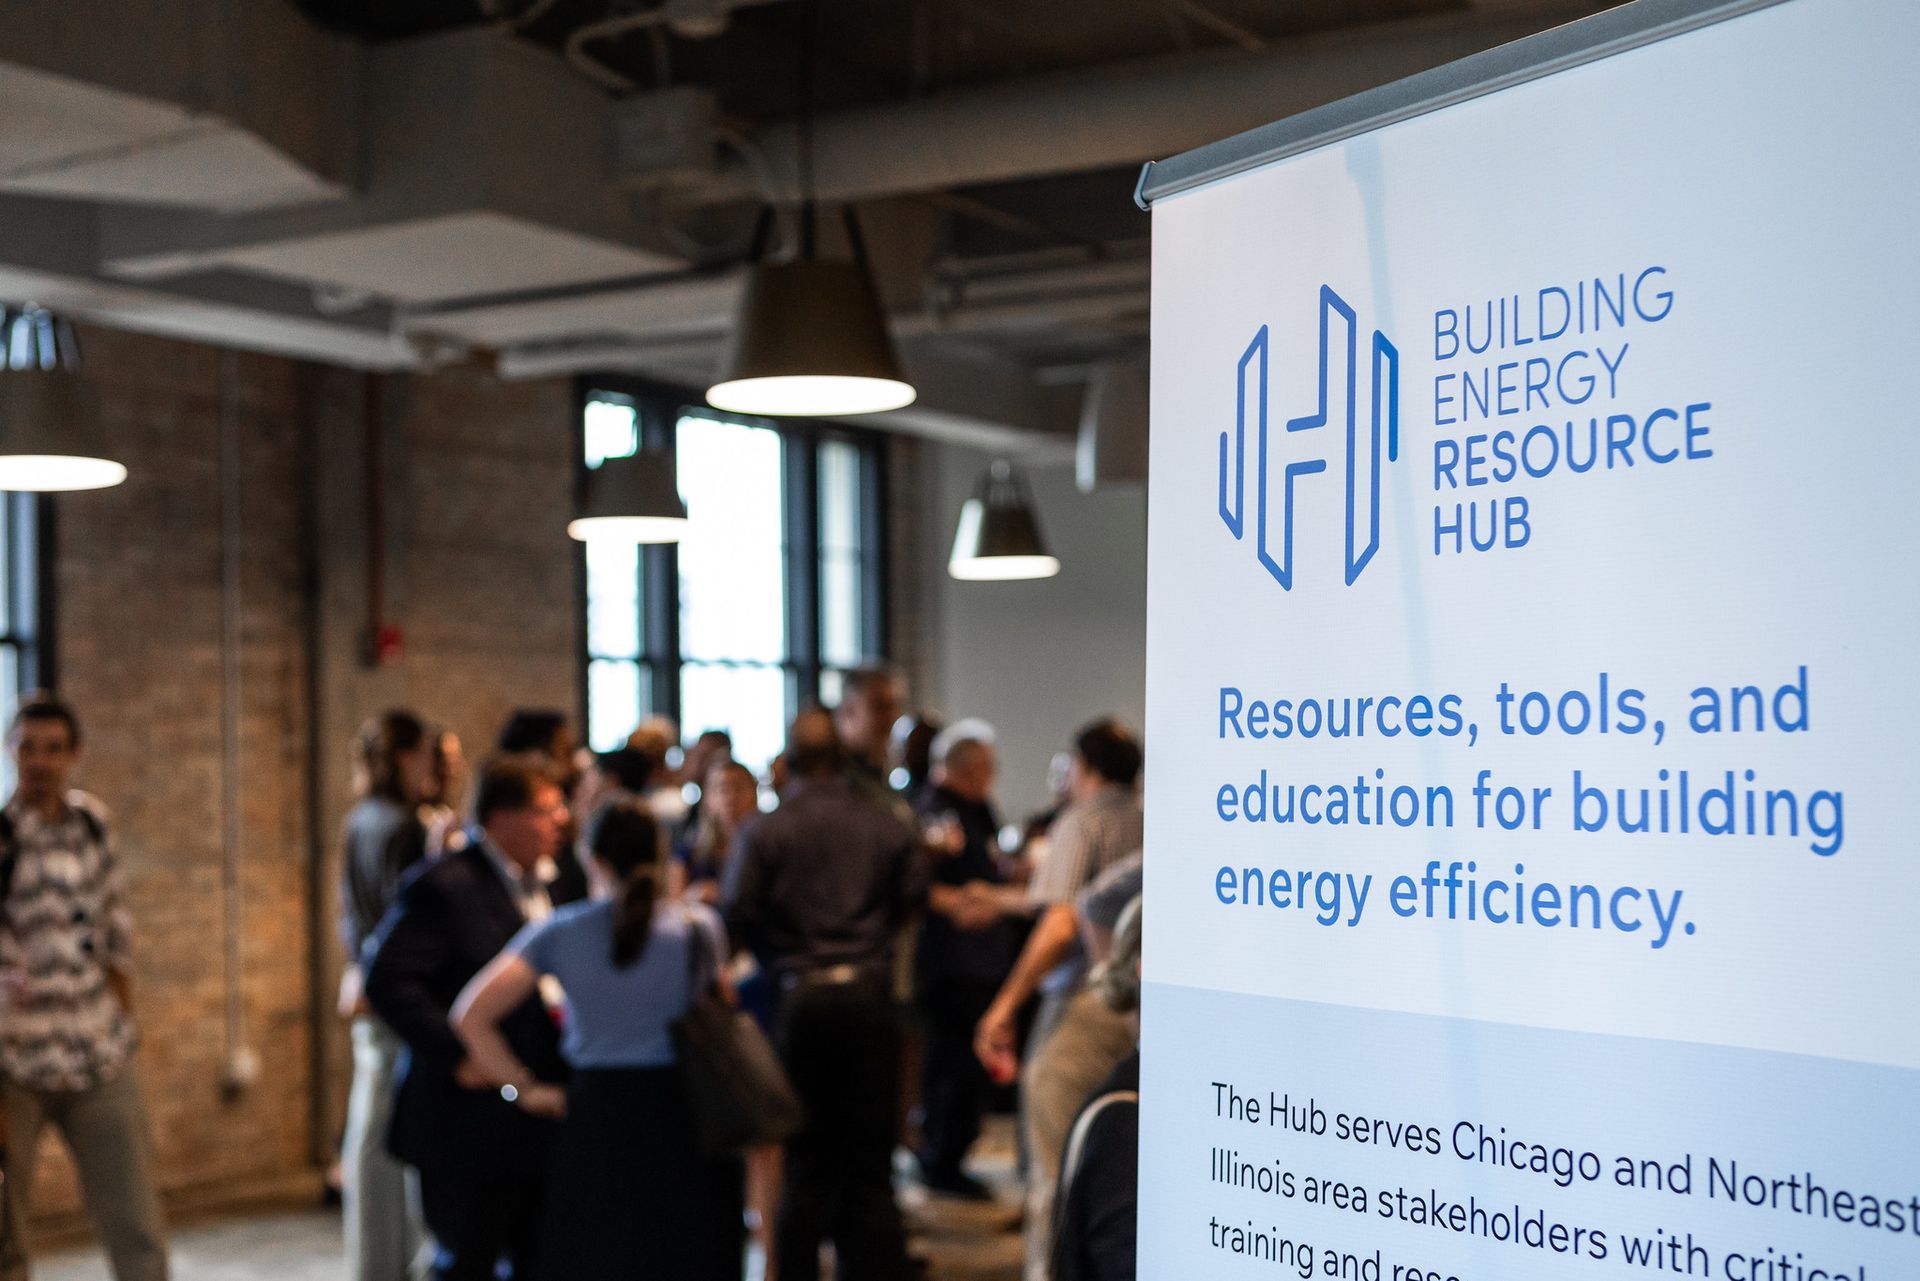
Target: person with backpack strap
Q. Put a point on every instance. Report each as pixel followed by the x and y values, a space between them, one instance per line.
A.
pixel 67 1035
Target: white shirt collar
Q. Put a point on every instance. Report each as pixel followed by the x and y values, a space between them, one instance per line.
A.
pixel 543 874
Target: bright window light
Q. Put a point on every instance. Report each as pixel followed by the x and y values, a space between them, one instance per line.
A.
pixel 733 584
pixel 612 429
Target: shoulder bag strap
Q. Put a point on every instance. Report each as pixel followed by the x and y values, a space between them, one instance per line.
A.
pixel 696 950
pixel 9 859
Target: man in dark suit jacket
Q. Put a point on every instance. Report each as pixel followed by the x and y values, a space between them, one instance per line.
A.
pixel 481 1155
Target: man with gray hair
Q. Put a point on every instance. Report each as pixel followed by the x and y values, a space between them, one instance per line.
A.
pixel 958 968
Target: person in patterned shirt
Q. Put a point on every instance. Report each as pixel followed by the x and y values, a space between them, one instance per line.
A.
pixel 66 1026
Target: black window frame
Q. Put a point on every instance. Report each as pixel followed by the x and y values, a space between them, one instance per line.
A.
pixel 659 406
pixel 28 584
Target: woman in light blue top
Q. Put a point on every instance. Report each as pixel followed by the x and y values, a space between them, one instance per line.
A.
pixel 630 1197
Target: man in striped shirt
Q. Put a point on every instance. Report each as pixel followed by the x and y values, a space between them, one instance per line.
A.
pixel 66 1029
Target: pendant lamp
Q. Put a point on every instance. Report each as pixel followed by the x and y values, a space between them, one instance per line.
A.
pixel 49 419
pixel 633 500
pixel 999 537
pixel 810 338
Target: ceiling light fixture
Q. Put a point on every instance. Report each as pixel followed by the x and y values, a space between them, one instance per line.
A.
pixel 633 499
pixel 998 538
pixel 810 338
pixel 49 419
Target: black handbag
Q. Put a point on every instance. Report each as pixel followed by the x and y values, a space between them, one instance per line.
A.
pixel 737 1092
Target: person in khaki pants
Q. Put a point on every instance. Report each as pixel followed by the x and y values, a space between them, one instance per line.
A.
pixel 66 1031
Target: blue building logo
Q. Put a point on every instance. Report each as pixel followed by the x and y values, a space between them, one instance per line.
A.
pixel 1363 504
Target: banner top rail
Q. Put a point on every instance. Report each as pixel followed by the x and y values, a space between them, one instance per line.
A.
pixel 1589 39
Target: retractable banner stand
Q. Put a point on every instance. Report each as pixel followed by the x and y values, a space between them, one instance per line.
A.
pixel 1533 802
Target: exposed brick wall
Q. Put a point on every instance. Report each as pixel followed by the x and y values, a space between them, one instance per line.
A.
pixel 480 573
pixel 480 577
pixel 138 608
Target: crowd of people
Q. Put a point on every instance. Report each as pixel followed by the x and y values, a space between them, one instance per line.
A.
pixel 521 964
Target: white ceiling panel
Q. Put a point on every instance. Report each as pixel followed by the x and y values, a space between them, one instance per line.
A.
pixel 448 256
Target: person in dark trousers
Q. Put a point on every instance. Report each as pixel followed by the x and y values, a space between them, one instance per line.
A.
pixel 394 769
pixel 67 1034
pixel 958 970
pixel 482 1156
pixel 822 886
pixel 1097 1204
pixel 630 1197
pixel 729 800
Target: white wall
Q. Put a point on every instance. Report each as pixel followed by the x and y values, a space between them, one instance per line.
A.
pixel 1036 659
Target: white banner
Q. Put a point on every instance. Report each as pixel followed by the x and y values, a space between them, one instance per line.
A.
pixel 1532 800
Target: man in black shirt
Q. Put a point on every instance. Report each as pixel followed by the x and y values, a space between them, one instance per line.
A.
pixel 958 969
pixel 822 886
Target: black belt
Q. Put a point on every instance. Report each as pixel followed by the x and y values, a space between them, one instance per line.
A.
pixel 842 975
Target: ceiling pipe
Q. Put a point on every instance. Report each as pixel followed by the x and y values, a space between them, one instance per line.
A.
pixel 1108 116
pixel 1103 116
pixel 688 19
pixel 582 39
pixel 696 308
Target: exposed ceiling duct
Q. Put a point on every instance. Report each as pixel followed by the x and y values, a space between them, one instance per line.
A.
pixel 1097 118
pixel 484 165
pixel 228 172
pixel 226 105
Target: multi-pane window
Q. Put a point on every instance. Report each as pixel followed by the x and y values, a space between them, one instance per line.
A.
pixel 618 674
pixel 20 658
pixel 772 593
pixel 842 554
pixel 733 582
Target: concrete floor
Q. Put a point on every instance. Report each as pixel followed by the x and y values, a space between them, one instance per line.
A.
pixel 961 1242
pixel 287 1247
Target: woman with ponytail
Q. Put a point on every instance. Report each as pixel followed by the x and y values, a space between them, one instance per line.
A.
pixel 630 1197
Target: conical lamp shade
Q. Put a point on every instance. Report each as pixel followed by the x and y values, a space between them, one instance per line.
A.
pixel 49 419
pixel 999 537
pixel 632 499
pixel 810 340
